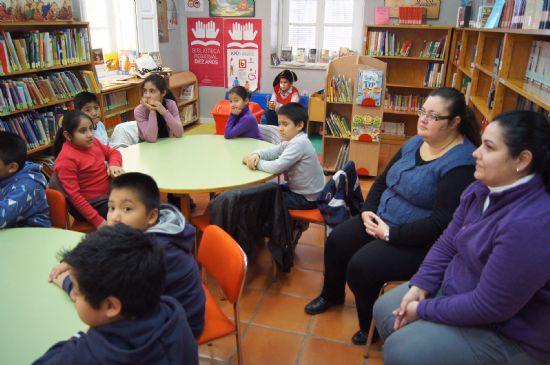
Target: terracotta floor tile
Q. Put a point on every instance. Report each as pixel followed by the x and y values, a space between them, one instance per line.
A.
pixel 259 275
pixel 284 312
pixel 338 323
pixel 314 236
pixel 249 302
pixel 375 355
pixel 221 349
pixel 263 255
pixel 350 297
pixel 263 346
pixel 299 282
pixel 308 257
pixel 205 361
pixel 321 352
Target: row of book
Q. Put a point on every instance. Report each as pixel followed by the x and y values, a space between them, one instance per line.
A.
pixel 403 103
pixel 434 74
pixel 343 156
pixel 525 14
pixel 35 90
pixel 189 113
pixel 34 50
pixel 116 100
pixel 412 14
pixel 36 128
pixel 393 128
pixel 311 56
pixel 538 67
pixel 526 104
pixel 339 89
pixel 337 125
pixel 387 44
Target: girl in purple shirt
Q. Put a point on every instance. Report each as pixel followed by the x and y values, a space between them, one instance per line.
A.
pixel 241 122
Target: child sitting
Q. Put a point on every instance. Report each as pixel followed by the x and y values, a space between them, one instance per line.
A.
pixel 88 103
pixel 241 121
pixel 295 157
pixel 80 168
pixel 135 201
pixel 157 116
pixel 284 93
pixel 22 196
pixel 118 275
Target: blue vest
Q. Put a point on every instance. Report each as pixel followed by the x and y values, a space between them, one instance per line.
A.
pixel 411 189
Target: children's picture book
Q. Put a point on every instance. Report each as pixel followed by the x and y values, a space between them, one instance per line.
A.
pixel 369 87
pixel 274 59
pixel 325 56
pixel 312 55
pixel 111 61
pixel 344 51
pixel 38 10
pixel 97 56
pixel 301 55
pixel 366 128
pixel 126 61
pixel 7 11
pixel 187 93
pixel 286 54
pixel 156 57
pixel 381 15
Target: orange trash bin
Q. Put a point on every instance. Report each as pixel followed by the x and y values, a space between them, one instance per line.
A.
pixel 222 109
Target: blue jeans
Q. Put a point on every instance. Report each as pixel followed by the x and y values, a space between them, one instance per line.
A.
pixel 293 200
pixel 424 342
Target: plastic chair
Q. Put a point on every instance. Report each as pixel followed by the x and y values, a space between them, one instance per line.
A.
pixel 58 208
pixel 225 261
pixel 387 286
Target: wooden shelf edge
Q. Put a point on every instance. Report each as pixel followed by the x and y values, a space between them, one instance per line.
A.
pixel 519 87
pixel 52 103
pixel 116 111
pixel 336 137
pixel 186 102
pixel 405 86
pixel 465 71
pixel 410 58
pixel 39 148
pixel 191 122
pixel 45 69
pixel 389 111
pixel 30 24
pixel 411 26
pixel 481 106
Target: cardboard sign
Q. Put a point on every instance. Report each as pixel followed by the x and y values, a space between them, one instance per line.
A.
pixel 432 7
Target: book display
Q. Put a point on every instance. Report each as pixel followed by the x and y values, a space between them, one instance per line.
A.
pixel 43 65
pixel 185 88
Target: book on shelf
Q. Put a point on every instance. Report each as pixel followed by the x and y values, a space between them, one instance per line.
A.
pixel 381 15
pixel 343 51
pixel 116 100
pixel 339 89
pixel 412 15
pixel 188 113
pixel 312 55
pixel 434 74
pixel 496 13
pixel 393 128
pixel 300 55
pixel 187 93
pixel 111 61
pixel 433 49
pixel 386 44
pixel 483 14
pixel 498 57
pixel 97 56
pixel 366 128
pixel 286 54
pixel 369 87
pixel 126 61
pixel 343 155
pixel 538 70
pixel 517 15
pixel 275 59
pixel 403 103
pixel 325 56
pixel 491 94
pixel 337 125
pixel 463 16
pixel 465 87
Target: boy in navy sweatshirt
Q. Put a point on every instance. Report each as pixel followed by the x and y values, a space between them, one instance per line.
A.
pixel 22 186
pixel 135 201
pixel 118 276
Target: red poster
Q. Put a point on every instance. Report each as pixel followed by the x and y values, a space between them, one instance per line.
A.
pixel 243 50
pixel 206 56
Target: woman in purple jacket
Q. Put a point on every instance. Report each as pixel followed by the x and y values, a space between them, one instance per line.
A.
pixel 241 121
pixel 482 295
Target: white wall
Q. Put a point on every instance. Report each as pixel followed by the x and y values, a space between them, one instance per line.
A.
pixel 176 51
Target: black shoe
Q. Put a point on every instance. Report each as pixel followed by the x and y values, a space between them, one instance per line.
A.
pixel 320 305
pixel 359 338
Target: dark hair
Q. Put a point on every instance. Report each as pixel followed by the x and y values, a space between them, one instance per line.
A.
pixel 468 126
pixel 119 261
pixel 240 91
pixel 84 98
pixel 12 149
pixel 161 84
pixel 285 74
pixel 296 112
pixel 526 130
pixel 71 121
pixel 143 185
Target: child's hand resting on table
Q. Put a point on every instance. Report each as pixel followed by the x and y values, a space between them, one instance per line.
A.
pixel 251 160
pixel 58 274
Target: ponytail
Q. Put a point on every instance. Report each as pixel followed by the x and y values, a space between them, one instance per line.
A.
pixel 526 130
pixel 70 123
pixel 58 142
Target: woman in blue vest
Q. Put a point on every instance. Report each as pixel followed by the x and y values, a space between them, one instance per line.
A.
pixel 406 209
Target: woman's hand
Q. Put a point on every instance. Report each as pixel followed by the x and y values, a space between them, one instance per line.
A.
pixel 374 225
pixel 57 270
pixel 114 171
pixel 406 313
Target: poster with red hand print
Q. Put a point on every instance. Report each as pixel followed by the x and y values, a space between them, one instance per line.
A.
pixel 205 45
pixel 243 50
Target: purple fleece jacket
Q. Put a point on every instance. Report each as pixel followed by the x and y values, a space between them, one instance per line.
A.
pixel 242 125
pixel 493 266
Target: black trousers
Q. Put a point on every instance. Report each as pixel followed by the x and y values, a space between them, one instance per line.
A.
pixel 366 264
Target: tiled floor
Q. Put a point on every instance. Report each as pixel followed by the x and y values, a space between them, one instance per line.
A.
pixel 276 329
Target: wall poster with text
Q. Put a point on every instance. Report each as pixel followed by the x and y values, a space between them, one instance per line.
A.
pixel 205 45
pixel 243 50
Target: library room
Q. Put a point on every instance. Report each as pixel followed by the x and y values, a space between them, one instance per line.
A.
pixel 286 182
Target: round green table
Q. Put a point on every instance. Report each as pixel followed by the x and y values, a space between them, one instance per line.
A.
pixel 34 314
pixel 195 164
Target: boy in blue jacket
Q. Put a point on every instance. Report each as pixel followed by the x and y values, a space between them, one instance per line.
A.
pixel 135 201
pixel 22 186
pixel 118 275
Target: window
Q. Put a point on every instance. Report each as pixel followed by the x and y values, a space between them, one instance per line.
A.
pixel 322 24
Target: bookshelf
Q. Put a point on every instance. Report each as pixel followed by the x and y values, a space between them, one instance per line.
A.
pixel 43 65
pixel 417 60
pixel 339 147
pixel 117 102
pixel 494 67
pixel 185 88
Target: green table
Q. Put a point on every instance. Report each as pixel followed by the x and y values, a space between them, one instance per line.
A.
pixel 195 164
pixel 34 314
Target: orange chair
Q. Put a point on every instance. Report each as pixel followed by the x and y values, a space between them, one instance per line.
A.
pixel 225 261
pixel 60 216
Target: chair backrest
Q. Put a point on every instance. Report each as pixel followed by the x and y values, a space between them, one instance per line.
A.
pixel 58 208
pixel 270 133
pixel 224 260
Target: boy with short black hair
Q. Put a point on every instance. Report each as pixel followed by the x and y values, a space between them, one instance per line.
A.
pixel 23 200
pixel 295 156
pixel 118 275
pixel 87 102
pixel 135 201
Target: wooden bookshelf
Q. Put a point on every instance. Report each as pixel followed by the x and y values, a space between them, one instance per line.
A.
pixel 495 61
pixel 189 108
pixel 130 93
pixel 406 75
pixel 364 154
pixel 25 65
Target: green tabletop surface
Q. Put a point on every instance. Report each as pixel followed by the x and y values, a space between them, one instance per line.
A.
pixel 34 313
pixel 196 163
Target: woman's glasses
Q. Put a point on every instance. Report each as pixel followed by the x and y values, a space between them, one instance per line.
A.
pixel 430 117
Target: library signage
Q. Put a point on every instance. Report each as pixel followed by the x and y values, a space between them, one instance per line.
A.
pixel 432 7
pixel 206 57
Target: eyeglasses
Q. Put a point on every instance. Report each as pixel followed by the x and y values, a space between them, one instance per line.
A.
pixel 431 117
